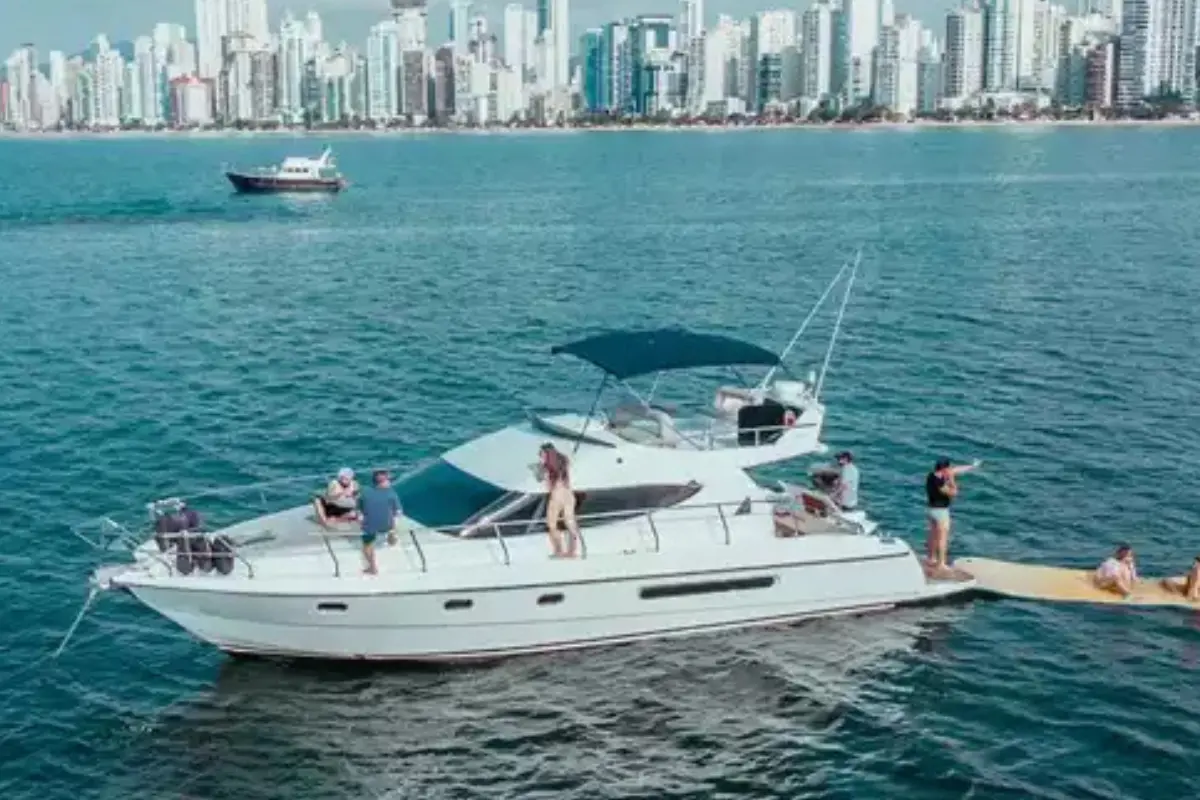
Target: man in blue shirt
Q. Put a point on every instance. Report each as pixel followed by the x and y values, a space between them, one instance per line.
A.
pixel 379 507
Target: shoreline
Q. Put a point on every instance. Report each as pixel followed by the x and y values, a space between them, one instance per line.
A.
pixel 923 125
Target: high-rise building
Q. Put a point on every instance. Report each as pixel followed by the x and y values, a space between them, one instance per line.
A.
pixel 22 98
pixel 816 48
pixel 294 52
pixel 897 66
pixel 1001 22
pixel 1157 50
pixel 383 72
pixel 212 24
pixel 460 27
pixel 514 49
pixel 930 75
pixel 148 77
pixel 248 18
pixel 109 73
pixel 412 31
pixel 615 92
pixel 860 20
pixel 554 30
pixel 691 42
pixel 771 32
pixel 964 54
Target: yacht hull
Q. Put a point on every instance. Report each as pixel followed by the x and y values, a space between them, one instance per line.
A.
pixel 489 623
pixel 262 184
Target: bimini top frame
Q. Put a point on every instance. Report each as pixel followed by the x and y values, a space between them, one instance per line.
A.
pixel 628 354
pixel 622 355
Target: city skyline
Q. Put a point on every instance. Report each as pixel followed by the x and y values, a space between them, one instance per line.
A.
pixel 238 67
pixel 71 25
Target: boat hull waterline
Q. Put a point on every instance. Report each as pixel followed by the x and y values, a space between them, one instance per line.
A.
pixel 263 184
pixel 389 621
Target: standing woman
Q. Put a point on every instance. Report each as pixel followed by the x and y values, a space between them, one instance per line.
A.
pixel 941 487
pixel 560 500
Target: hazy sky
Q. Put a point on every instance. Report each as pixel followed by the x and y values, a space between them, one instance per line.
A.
pixel 70 24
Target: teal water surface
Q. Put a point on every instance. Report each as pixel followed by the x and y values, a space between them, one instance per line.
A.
pixel 1026 297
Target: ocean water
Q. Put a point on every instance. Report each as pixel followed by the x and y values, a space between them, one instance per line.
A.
pixel 1028 297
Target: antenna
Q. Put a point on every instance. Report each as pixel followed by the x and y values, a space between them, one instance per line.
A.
pixel 804 325
pixel 837 326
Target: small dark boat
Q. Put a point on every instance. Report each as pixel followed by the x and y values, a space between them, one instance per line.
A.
pixel 293 175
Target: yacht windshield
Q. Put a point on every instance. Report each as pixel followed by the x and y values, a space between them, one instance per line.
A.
pixel 443 496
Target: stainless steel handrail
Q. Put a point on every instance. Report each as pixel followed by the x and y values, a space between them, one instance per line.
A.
pixel 337 565
pixel 653 517
pixel 420 551
pixel 503 544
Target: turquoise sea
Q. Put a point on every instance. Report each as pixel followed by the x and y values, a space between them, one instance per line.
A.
pixel 1028 297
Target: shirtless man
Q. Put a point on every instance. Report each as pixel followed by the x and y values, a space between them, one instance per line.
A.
pixel 1118 573
pixel 941 487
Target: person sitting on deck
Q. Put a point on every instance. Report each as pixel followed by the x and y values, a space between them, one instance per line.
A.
pixel 1118 573
pixel 1189 587
pixel 845 491
pixel 340 499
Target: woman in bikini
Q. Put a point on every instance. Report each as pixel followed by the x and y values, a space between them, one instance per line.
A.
pixel 560 500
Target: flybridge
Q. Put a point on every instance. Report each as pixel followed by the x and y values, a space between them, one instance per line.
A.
pixel 740 416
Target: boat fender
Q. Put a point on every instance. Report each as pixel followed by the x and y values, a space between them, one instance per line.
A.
pixel 222 554
pixel 201 552
pixel 183 559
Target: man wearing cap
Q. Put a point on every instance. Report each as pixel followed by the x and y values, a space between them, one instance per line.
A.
pixel 380 507
pixel 340 498
pixel 940 490
pixel 845 493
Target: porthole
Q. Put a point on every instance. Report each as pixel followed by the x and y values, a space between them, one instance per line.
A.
pixel 458 605
pixel 550 599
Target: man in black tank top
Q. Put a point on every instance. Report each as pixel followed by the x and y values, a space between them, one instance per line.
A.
pixel 940 490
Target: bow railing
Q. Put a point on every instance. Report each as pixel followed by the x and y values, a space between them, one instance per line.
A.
pixel 212 549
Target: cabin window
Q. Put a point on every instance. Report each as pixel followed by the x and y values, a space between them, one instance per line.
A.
pixel 522 514
pixel 458 604
pixel 514 513
pixel 550 599
pixel 443 496
pixel 717 586
pixel 630 501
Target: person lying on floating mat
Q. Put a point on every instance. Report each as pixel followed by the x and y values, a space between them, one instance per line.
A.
pixel 1188 586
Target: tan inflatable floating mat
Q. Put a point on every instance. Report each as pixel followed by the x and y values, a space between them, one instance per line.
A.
pixel 1033 582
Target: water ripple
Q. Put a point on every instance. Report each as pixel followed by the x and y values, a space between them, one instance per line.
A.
pixel 163 336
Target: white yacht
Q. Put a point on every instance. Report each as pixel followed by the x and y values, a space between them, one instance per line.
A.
pixel 678 537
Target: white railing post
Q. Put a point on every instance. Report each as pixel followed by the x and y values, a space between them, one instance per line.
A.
pixel 503 544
